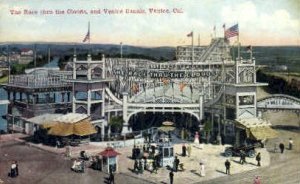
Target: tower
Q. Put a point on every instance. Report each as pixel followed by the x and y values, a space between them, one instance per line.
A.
pixel 240 97
pixel 89 83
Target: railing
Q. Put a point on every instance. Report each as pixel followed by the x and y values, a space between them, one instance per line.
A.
pixel 38 81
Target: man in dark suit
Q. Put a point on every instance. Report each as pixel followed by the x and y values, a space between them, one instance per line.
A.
pixel 227 166
pixel 171 175
pixel 281 146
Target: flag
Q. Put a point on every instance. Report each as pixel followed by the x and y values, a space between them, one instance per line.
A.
pixel 224 26
pixel 249 48
pixel 191 88
pixel 181 86
pixel 165 81
pixel 190 34
pixel 87 36
pixel 144 86
pixel 232 31
pixel 135 88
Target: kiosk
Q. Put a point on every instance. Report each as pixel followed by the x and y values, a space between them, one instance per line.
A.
pixel 166 152
pixel 109 160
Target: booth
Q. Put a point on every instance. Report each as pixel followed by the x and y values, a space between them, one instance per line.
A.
pixel 166 152
pixel 109 160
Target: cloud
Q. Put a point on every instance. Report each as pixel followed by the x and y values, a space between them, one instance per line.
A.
pixel 277 24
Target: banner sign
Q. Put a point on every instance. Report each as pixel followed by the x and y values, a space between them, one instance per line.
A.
pixel 164 74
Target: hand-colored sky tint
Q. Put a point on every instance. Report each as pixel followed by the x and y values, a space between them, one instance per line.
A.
pixel 267 22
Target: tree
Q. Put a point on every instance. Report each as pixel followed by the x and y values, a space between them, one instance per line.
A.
pixel 207 128
pixel 116 123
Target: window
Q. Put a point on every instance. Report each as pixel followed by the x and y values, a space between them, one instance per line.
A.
pixel 246 100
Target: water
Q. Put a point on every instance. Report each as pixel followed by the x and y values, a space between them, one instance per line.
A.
pixel 53 63
pixel 3 109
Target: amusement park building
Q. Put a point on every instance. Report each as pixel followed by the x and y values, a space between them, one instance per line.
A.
pixel 204 82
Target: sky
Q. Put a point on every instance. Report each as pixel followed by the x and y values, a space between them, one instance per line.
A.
pixel 266 23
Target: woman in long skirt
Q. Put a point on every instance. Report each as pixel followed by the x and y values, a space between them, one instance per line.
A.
pixel 202 169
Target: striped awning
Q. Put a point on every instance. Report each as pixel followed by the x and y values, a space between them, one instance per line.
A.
pixel 81 128
pixel 256 128
pixel 261 133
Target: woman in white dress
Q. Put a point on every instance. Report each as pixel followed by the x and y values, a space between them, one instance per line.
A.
pixel 202 169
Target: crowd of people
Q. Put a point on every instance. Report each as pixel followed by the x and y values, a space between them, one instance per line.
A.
pixel 145 158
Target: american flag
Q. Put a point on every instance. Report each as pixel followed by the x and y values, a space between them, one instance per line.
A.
pixel 232 31
pixel 87 36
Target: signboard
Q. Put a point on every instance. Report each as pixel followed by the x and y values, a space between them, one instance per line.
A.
pixel 163 74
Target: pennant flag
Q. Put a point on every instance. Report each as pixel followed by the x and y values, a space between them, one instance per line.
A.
pixel 190 34
pixel 87 36
pixel 135 88
pixel 181 86
pixel 165 81
pixel 232 31
pixel 249 48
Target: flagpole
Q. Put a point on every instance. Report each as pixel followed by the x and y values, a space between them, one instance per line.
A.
pixel 192 49
pixel 198 39
pixel 89 38
pixel 215 33
pixel 8 60
pixel 238 40
pixel 238 60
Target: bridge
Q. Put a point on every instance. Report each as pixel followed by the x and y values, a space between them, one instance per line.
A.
pixel 279 102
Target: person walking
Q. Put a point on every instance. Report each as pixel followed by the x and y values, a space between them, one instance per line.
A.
pixel 189 150
pixel 291 144
pixel 13 169
pixel 227 166
pixel 135 166
pixel 177 161
pixel 171 175
pixel 154 167
pixel 202 169
pixel 140 167
pixel 256 180
pixel 281 147
pixel 183 150
pixel 243 157
pixel 111 178
pixel 258 158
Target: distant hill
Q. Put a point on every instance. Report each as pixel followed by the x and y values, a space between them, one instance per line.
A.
pixel 265 55
pixel 274 56
pixel 108 49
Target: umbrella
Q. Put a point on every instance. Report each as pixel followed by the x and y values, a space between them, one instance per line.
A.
pixel 168 123
pixel 167 126
pixel 81 128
